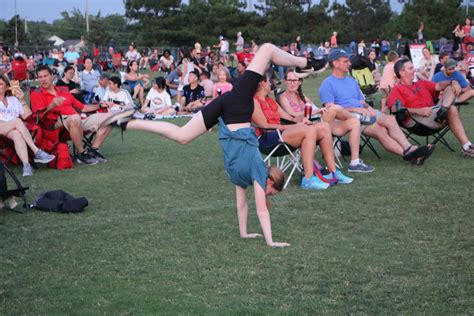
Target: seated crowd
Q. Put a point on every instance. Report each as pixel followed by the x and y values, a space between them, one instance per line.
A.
pixel 81 96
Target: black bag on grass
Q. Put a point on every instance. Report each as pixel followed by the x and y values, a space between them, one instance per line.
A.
pixel 60 201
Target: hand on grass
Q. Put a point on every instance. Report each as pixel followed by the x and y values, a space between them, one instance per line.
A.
pixel 251 235
pixel 279 244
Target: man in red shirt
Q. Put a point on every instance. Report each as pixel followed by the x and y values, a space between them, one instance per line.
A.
pixel 58 104
pixel 246 56
pixel 334 40
pixel 418 98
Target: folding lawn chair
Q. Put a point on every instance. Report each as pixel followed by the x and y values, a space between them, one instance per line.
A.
pixel 5 194
pixel 360 71
pixel 419 129
pixel 286 157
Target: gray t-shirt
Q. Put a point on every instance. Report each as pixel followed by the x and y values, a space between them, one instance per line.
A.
pixel 240 45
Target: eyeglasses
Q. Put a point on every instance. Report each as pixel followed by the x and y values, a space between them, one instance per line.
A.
pixel 292 80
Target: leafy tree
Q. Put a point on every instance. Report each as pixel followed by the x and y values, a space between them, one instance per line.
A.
pixel 283 20
pixel 438 17
pixel 154 21
pixel 8 33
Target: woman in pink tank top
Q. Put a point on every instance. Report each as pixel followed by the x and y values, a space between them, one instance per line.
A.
pixel 340 120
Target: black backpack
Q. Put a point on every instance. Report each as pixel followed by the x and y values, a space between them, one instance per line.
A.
pixel 60 201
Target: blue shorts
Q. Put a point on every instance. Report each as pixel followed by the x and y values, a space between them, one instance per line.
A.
pixel 133 84
pixel 269 139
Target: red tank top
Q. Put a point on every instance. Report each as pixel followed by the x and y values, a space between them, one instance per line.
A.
pixel 270 110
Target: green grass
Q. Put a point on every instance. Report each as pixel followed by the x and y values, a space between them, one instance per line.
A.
pixel 160 237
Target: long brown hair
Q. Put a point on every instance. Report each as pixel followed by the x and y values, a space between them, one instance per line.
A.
pixel 277 176
pixel 8 92
pixel 300 89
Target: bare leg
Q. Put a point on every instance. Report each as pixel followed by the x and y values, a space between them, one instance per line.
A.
pixel 466 96
pixel 100 136
pixel 351 126
pixel 136 91
pixel 456 126
pixel 270 53
pixel 324 139
pixel 381 134
pixel 20 145
pixel 75 131
pixel 304 137
pixel 182 135
pixel 20 127
pixel 389 122
pixel 141 93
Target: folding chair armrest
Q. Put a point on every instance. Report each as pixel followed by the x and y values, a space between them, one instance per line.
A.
pixel 399 114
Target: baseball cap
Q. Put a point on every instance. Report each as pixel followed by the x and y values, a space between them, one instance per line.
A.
pixel 450 63
pixel 337 53
pixel 246 45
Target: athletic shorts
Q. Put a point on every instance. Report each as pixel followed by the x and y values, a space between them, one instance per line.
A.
pixel 235 106
pixel 269 139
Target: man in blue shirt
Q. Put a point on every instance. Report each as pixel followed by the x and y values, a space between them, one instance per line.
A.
pixel 449 73
pixel 71 55
pixel 343 90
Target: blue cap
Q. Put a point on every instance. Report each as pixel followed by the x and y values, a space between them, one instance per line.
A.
pixel 337 53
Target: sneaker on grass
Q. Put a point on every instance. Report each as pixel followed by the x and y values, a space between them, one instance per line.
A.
pixel 27 170
pixel 313 183
pixel 469 153
pixel 341 178
pixel 360 167
pixel 97 155
pixel 86 158
pixel 43 157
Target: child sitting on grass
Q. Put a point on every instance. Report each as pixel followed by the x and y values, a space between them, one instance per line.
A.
pixel 158 101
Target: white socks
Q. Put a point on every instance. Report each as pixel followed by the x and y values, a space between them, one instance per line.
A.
pixel 355 162
pixel 467 145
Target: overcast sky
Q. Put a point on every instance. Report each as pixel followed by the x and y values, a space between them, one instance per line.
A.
pixel 49 10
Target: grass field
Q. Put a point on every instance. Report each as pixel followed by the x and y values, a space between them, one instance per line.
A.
pixel 160 237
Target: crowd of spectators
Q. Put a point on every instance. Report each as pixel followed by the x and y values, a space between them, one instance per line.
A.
pixel 72 85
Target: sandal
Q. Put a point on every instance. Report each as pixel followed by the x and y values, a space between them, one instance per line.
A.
pixel 421 160
pixel 419 152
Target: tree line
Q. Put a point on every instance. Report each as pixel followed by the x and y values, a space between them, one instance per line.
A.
pixel 171 23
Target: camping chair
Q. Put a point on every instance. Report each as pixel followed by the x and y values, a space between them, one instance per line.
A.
pixel 365 80
pixel 422 130
pixel 7 151
pixel 360 71
pixel 286 157
pixel 5 194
